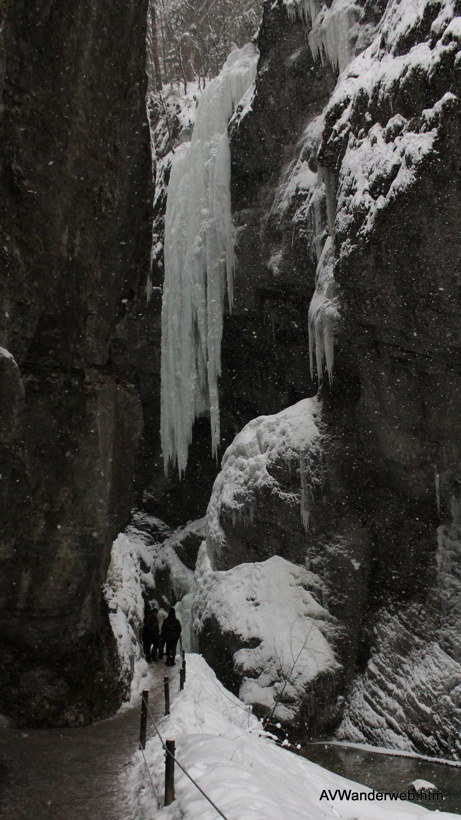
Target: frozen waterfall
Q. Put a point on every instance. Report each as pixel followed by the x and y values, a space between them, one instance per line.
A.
pixel 199 259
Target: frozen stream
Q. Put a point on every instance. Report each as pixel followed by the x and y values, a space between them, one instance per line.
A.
pixel 389 772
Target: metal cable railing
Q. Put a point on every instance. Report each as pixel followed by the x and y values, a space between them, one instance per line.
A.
pixel 172 756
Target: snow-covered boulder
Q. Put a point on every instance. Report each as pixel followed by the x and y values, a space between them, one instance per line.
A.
pixel 271 579
pixel 271 611
pixel 266 487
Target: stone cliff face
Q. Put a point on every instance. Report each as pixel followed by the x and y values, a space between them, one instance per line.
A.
pixel 75 204
pixel 360 204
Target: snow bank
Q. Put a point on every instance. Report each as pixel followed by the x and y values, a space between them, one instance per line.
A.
pixel 287 437
pixel 248 777
pixel 273 604
pixel 123 594
pixel 199 259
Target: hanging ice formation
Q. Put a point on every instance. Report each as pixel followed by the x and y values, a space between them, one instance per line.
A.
pixel 323 315
pixel 199 260
pixel 331 37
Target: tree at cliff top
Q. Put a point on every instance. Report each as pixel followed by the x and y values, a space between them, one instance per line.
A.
pixel 191 39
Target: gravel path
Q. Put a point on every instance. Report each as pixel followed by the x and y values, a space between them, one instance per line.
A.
pixel 71 774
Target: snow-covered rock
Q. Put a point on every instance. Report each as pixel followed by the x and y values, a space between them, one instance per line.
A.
pixel 273 464
pixel 273 610
pixel 265 574
pixel 123 593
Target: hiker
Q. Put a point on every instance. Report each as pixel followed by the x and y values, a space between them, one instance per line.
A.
pixel 171 631
pixel 150 634
pixel 161 642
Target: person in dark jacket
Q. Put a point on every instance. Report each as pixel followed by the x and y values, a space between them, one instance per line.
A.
pixel 161 643
pixel 171 631
pixel 151 635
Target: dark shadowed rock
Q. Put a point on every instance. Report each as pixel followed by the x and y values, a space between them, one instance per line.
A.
pixel 74 211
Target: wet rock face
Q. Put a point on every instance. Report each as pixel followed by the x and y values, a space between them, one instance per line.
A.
pixel 75 209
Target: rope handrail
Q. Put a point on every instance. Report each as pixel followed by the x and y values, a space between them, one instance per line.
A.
pixel 180 765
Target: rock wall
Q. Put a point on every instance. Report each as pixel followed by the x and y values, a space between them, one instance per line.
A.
pixel 75 211
pixel 367 167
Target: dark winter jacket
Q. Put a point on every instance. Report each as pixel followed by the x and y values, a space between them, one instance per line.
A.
pixel 171 628
pixel 151 624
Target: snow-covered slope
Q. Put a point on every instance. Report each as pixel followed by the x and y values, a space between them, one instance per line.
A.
pixel 248 777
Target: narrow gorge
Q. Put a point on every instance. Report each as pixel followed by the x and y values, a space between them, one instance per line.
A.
pixel 265 401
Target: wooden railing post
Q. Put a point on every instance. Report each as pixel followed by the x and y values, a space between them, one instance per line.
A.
pixel 169 771
pixel 166 686
pixel 143 726
pixel 182 678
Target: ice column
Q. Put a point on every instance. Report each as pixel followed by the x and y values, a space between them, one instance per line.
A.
pixel 323 314
pixel 199 258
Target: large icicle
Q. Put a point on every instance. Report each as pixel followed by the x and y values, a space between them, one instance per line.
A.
pixel 199 263
pixel 323 314
pixel 332 28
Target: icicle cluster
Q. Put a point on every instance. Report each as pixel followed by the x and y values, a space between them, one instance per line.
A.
pixel 323 314
pixel 330 36
pixel 306 10
pixel 324 306
pixel 199 260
